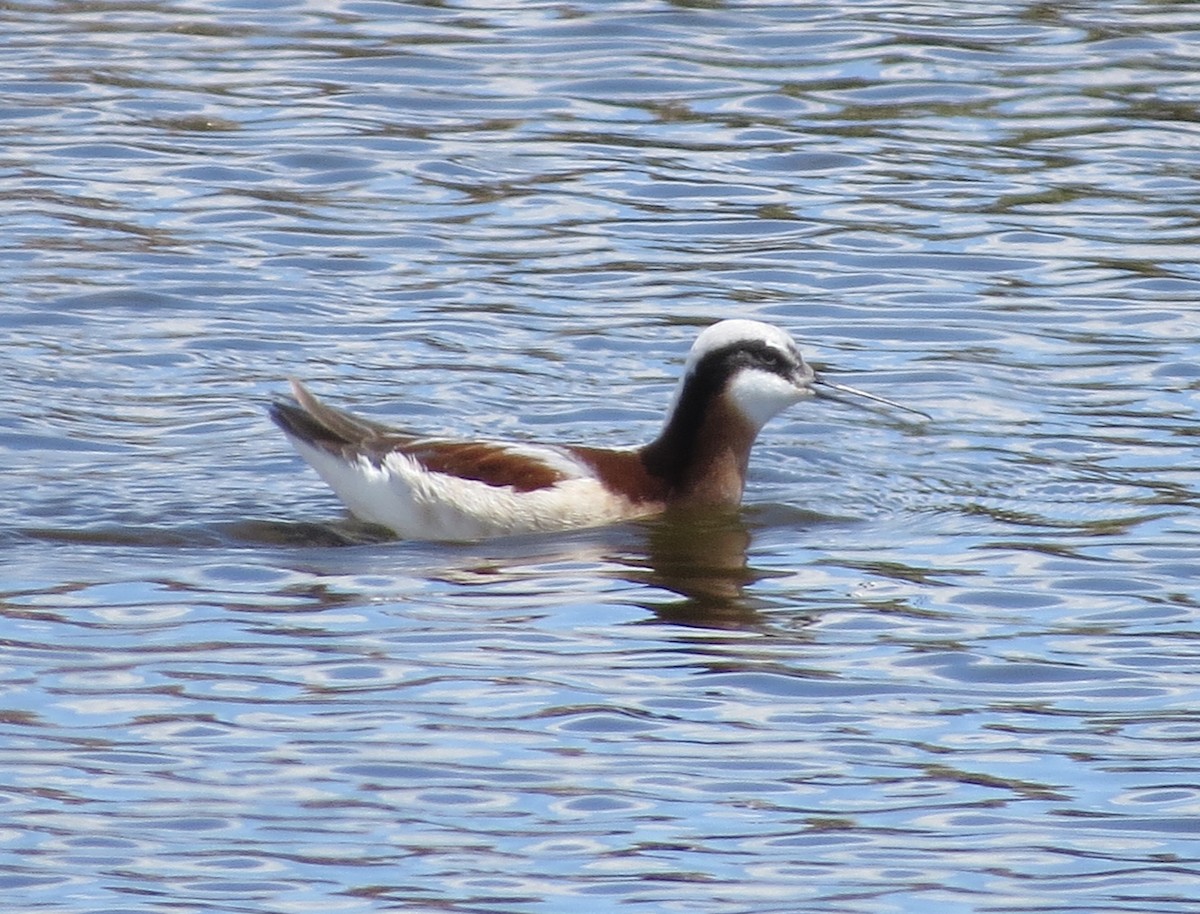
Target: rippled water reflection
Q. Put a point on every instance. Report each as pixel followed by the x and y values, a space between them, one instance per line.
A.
pixel 945 666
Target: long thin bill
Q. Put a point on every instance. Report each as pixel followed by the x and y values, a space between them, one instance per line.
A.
pixel 846 389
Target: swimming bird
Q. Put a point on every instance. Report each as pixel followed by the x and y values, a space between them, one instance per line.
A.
pixel 738 374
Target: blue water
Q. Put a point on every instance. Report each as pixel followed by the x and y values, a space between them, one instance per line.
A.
pixel 946 666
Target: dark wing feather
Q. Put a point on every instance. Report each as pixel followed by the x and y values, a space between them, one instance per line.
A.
pixel 494 464
pixel 312 422
pixel 347 427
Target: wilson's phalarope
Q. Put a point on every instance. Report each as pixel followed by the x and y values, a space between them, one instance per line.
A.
pixel 738 375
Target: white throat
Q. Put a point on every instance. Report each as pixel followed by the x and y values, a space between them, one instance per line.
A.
pixel 760 395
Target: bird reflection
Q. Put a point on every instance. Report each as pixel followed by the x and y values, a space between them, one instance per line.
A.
pixel 703 559
pixel 698 558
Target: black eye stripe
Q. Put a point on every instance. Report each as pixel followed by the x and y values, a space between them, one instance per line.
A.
pixel 725 361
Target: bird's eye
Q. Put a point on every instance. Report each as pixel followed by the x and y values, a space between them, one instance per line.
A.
pixel 772 359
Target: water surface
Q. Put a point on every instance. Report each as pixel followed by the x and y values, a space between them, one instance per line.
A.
pixel 943 666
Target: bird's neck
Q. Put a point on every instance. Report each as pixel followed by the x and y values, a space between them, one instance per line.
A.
pixel 702 452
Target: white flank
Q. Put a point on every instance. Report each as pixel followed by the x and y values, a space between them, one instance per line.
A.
pixel 415 503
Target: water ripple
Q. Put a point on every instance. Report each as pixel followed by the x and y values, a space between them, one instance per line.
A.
pixel 942 666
